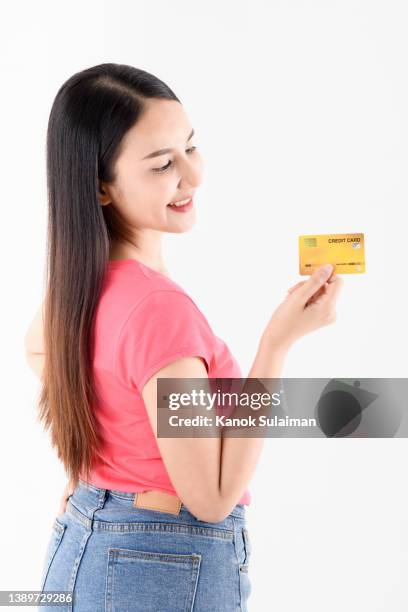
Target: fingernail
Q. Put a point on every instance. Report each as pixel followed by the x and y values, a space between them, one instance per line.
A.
pixel 326 269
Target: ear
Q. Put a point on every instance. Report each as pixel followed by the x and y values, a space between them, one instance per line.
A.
pixel 103 194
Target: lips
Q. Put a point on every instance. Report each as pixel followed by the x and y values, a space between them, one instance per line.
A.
pixel 184 208
pixel 184 200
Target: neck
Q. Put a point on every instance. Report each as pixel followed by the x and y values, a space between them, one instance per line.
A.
pixel 148 251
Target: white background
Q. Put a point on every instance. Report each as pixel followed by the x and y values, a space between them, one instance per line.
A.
pixel 300 112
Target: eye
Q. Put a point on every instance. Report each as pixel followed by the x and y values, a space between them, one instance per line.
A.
pixel 164 168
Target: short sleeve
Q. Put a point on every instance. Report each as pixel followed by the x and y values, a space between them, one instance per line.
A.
pixel 164 326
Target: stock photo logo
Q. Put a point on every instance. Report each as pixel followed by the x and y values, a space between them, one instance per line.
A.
pixel 358 408
pixel 293 407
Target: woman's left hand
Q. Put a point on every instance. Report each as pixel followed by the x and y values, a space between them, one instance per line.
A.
pixel 69 489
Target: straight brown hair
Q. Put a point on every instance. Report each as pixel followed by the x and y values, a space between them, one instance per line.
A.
pixel 90 115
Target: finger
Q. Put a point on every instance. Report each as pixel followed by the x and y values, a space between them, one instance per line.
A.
pixel 331 280
pixel 315 297
pixel 333 290
pixel 300 283
pixel 322 290
pixel 318 279
pixel 332 277
pixel 294 287
pixel 330 295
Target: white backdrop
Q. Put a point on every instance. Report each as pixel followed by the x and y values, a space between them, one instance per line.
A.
pixel 300 112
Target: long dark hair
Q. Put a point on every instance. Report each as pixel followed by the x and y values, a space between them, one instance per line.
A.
pixel 91 113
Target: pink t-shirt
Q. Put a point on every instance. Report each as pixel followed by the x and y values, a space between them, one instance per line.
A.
pixel 143 321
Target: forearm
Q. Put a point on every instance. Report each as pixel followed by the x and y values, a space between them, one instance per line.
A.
pixel 34 344
pixel 36 362
pixel 34 340
pixel 239 456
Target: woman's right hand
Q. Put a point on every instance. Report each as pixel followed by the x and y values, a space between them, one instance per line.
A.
pixel 308 306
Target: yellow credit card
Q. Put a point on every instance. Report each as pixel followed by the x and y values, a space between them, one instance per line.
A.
pixel 344 251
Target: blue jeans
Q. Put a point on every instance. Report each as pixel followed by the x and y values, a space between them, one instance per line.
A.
pixel 119 558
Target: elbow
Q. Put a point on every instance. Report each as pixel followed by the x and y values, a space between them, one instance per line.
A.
pixel 29 348
pixel 215 515
pixel 209 516
pixel 28 357
pixel 209 511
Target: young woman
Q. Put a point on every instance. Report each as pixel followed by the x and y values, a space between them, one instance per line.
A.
pixel 151 524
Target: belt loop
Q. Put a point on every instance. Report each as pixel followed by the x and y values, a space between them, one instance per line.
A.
pixel 102 498
pixel 101 502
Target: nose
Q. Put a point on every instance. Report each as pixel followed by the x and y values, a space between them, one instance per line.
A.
pixel 191 174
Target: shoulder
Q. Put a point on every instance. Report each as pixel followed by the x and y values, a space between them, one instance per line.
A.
pixel 164 326
pixel 131 289
pixel 165 304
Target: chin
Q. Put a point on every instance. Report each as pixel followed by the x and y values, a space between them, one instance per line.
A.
pixel 180 230
pixel 181 223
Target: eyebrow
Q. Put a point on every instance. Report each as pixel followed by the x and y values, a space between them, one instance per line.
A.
pixel 163 151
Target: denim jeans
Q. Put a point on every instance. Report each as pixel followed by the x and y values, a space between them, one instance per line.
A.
pixel 119 558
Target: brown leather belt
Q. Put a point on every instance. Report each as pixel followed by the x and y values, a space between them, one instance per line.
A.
pixel 158 500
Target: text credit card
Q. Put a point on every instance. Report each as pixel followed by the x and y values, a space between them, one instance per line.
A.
pixel 344 251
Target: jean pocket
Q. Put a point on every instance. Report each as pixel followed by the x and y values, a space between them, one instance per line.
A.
pixel 244 579
pixel 247 545
pixel 57 533
pixel 142 580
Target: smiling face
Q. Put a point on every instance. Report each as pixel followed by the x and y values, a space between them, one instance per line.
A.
pixel 147 181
